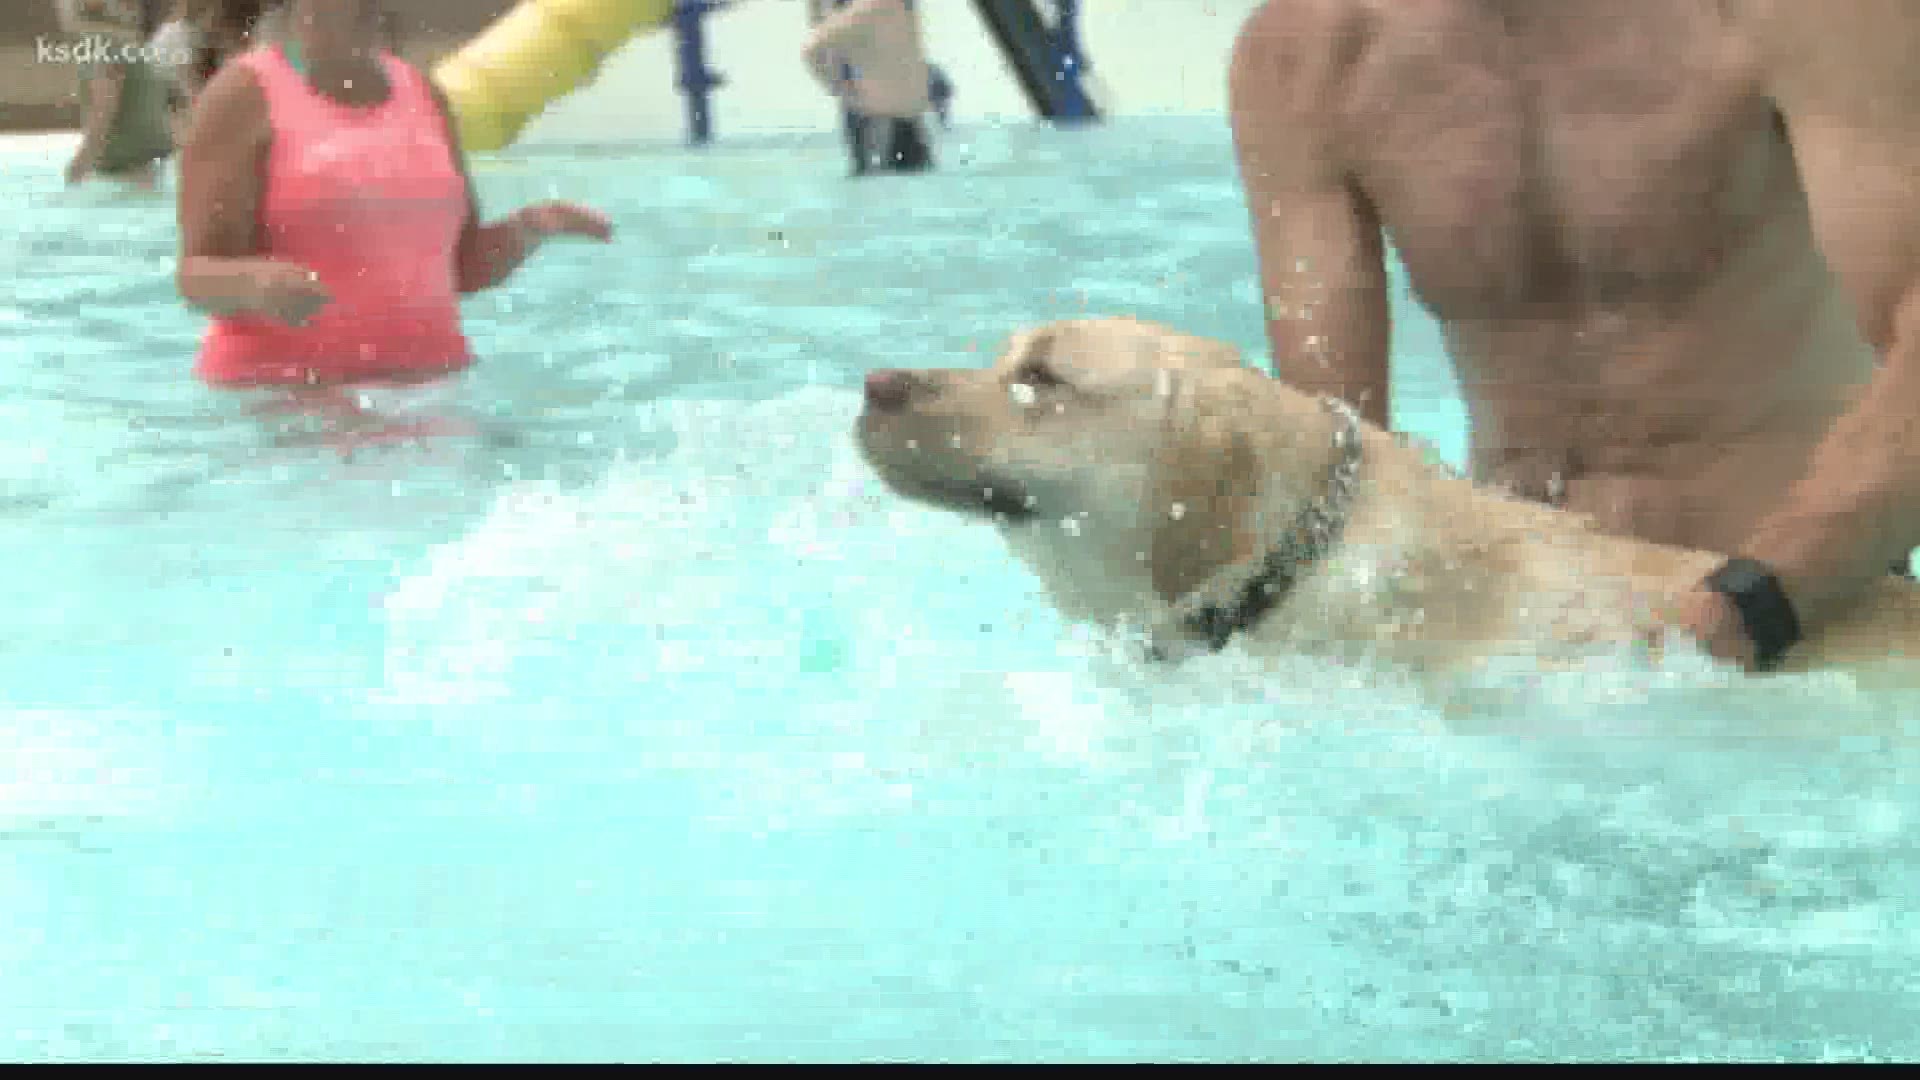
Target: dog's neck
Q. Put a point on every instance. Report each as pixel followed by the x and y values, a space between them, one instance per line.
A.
pixel 1306 542
pixel 1211 617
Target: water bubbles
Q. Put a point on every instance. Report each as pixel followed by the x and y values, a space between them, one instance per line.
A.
pixel 1070 525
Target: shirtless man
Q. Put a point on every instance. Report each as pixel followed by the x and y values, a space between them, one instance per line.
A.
pixel 1623 213
pixel 890 91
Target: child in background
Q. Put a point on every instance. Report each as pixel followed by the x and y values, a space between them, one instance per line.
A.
pixel 174 48
pixel 125 127
pixel 869 54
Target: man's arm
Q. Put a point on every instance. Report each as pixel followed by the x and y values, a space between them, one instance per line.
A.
pixel 1843 75
pixel 1322 256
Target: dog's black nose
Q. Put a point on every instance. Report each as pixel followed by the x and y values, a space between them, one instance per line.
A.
pixel 888 391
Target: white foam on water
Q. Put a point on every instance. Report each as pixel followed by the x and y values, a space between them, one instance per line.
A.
pixel 829 664
pixel 65 767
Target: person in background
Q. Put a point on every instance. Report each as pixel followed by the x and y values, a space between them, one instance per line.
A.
pixel 869 54
pixel 174 47
pixel 125 131
pixel 328 224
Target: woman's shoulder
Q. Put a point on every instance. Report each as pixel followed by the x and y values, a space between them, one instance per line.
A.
pixel 239 72
pixel 411 77
pixel 233 98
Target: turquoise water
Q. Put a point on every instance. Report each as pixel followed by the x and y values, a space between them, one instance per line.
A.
pixel 632 721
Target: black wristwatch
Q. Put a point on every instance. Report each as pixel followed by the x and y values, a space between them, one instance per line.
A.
pixel 1764 608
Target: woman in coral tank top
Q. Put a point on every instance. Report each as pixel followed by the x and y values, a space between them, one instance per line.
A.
pixel 328 224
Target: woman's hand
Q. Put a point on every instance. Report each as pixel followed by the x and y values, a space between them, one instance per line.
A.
pixel 489 254
pixel 287 293
pixel 549 219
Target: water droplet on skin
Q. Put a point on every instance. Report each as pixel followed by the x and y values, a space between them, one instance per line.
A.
pixel 1177 511
pixel 1021 393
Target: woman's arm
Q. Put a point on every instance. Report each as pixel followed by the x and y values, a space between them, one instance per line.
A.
pixel 221 271
pixel 489 253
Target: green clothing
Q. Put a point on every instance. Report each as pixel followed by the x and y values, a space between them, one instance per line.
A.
pixel 141 132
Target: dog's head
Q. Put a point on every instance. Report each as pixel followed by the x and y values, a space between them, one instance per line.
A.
pixel 1125 461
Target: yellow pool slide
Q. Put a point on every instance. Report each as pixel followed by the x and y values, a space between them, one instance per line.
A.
pixel 533 55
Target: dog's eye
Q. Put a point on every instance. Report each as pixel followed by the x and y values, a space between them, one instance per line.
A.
pixel 1039 375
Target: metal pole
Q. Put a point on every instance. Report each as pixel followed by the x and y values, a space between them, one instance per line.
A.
pixel 940 93
pixel 695 79
pixel 1071 64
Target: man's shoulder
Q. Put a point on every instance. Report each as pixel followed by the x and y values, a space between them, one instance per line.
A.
pixel 1849 56
pixel 1311 40
pixel 1302 23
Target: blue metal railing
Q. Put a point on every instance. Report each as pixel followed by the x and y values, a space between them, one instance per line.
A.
pixel 695 79
pixel 940 92
pixel 1070 65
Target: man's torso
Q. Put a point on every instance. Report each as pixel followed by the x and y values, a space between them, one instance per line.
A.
pixel 1600 205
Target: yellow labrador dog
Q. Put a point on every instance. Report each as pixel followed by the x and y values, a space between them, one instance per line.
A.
pixel 1150 480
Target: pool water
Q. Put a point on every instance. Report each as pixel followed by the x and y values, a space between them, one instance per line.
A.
pixel 631 720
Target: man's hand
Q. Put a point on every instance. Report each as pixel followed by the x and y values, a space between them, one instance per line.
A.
pixel 1712 620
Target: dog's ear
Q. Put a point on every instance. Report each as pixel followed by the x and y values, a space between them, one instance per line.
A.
pixel 1207 478
pixel 1026 346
